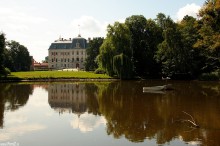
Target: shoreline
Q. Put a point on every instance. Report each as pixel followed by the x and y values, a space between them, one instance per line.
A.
pixel 58 80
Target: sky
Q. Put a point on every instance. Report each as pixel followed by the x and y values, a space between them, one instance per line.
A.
pixel 37 23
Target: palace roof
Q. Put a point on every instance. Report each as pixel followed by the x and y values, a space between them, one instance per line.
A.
pixel 75 43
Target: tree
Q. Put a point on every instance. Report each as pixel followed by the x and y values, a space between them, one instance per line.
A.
pixel 19 55
pixel 209 34
pixel 2 48
pixel 92 52
pixel 193 58
pixel 115 53
pixel 138 43
pixel 46 60
pixel 153 38
pixel 171 53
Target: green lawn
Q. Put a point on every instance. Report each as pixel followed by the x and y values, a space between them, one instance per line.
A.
pixel 31 75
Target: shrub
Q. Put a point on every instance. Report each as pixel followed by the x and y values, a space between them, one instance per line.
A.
pixel 5 72
pixel 209 77
pixel 100 71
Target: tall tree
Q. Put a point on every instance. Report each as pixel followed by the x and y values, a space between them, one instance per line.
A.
pixel 92 52
pixel 21 59
pixel 153 38
pixel 171 52
pixel 115 53
pixel 2 48
pixel 193 59
pixel 138 43
pixel 209 31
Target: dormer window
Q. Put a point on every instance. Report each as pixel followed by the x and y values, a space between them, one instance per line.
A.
pixel 77 45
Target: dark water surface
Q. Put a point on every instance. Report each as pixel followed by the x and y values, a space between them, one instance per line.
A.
pixel 109 114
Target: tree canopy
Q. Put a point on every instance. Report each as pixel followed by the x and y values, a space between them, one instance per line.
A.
pixel 13 56
pixel 143 47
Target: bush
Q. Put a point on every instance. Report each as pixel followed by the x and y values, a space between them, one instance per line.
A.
pixel 100 71
pixel 209 77
pixel 5 72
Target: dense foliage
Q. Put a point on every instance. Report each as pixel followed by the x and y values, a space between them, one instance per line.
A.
pixel 93 51
pixel 143 47
pixel 13 56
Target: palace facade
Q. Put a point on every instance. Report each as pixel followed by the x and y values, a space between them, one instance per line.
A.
pixel 67 53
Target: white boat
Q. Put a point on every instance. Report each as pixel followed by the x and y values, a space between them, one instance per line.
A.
pixel 154 92
pixel 158 88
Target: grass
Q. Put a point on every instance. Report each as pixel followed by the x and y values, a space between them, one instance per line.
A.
pixel 34 75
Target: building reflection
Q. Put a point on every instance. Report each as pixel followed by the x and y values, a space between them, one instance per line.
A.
pixel 70 98
pixel 127 111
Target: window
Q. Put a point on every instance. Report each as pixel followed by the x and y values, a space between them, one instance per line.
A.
pixel 77 53
pixel 77 59
pixel 65 60
pixel 56 53
pixel 72 59
pixel 61 60
pixel 77 45
pixel 68 60
pixel 52 60
pixel 81 59
pixel 56 59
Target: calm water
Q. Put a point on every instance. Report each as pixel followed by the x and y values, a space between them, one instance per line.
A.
pixel 109 114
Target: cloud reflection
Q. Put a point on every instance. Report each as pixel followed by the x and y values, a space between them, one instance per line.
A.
pixel 87 123
pixel 11 132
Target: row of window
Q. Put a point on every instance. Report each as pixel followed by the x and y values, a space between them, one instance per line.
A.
pixel 65 65
pixel 67 53
pixel 67 60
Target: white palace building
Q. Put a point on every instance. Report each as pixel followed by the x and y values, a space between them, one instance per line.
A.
pixel 67 53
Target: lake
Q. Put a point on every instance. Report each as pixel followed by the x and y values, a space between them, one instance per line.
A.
pixel 109 114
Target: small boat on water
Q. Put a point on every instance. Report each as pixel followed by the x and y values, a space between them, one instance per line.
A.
pixel 158 88
pixel 154 92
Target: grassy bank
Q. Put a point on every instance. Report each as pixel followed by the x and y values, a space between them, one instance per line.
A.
pixel 39 75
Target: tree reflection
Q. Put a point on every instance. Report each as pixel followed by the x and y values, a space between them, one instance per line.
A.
pixel 138 116
pixel 13 96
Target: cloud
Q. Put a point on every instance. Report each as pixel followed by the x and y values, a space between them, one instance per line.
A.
pixel 89 26
pixel 189 9
pixel 21 25
pixel 15 19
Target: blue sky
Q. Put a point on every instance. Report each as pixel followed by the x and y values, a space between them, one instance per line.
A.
pixel 37 23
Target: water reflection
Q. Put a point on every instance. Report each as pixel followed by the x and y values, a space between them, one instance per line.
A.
pixel 68 98
pixel 13 96
pixel 124 109
pixel 79 99
pixel 138 115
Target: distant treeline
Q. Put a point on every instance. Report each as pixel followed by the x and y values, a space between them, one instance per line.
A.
pixel 151 48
